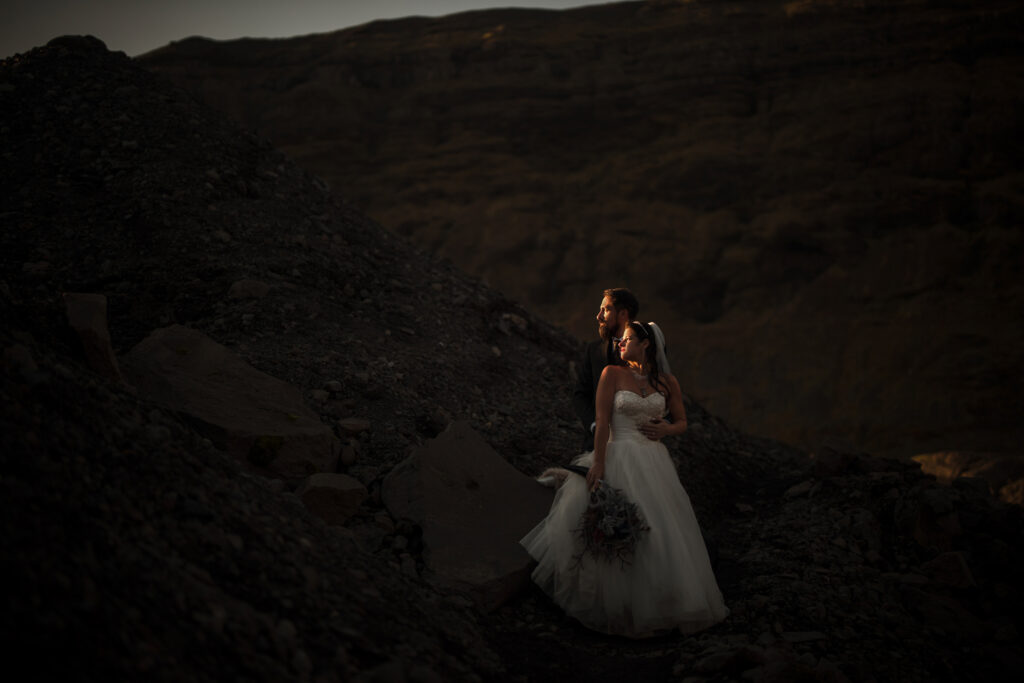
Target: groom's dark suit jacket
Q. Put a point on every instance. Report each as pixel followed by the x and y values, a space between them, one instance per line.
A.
pixel 596 356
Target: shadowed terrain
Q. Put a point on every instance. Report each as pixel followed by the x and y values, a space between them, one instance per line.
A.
pixel 819 201
pixel 148 550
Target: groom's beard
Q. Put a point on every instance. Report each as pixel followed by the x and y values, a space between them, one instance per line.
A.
pixel 610 338
pixel 606 331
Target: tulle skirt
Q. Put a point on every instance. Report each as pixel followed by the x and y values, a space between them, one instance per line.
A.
pixel 667 585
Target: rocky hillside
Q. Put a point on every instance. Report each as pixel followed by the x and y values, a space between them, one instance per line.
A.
pixel 819 200
pixel 147 548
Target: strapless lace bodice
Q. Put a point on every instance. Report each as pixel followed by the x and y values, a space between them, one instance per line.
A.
pixel 630 410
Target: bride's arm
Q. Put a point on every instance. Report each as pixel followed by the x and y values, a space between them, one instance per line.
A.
pixel 603 413
pixel 659 428
pixel 676 407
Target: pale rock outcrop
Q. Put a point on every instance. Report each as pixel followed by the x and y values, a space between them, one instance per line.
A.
pixel 1003 472
pixel 472 506
pixel 258 418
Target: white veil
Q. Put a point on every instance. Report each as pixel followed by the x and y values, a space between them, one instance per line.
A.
pixel 659 338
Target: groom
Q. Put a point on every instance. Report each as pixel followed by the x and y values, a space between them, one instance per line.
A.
pixel 618 307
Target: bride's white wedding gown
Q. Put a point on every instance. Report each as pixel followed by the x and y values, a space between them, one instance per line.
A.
pixel 669 583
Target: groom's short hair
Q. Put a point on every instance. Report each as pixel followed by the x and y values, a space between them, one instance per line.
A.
pixel 623 298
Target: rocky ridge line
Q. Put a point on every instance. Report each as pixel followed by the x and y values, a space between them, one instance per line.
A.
pixel 816 199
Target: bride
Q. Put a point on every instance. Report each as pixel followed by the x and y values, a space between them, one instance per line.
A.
pixel 668 582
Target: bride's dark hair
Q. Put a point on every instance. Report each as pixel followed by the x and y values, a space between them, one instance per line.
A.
pixel 644 331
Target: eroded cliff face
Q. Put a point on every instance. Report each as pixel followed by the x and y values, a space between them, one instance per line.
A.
pixel 819 201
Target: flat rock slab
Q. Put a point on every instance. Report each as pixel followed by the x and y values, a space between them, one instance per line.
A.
pixel 473 508
pixel 256 417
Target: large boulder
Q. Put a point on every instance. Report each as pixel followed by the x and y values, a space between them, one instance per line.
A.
pixel 258 418
pixel 473 508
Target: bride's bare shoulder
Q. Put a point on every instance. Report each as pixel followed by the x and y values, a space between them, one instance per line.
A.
pixel 612 370
pixel 611 374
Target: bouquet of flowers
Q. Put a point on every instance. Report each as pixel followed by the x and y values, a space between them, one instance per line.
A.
pixel 611 524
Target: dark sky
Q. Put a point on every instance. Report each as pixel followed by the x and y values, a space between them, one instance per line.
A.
pixel 137 26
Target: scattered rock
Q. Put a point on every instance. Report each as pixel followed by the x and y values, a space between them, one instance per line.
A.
pixel 353 426
pixel 802 636
pixel 257 418
pixel 19 356
pixel 36 268
pixel 714 663
pixel 510 322
pixel 1013 493
pixel 332 497
pixel 944 615
pixel 949 569
pixel 248 289
pixel 800 489
pixel 349 454
pixel 87 316
pixel 829 462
